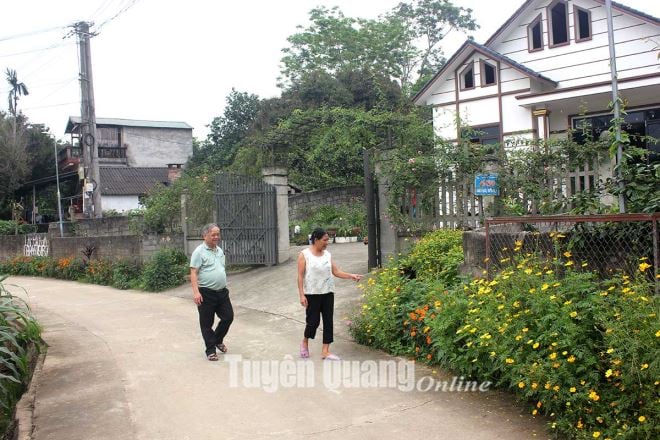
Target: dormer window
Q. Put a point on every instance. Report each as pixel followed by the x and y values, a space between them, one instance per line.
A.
pixel 582 24
pixel 558 23
pixel 535 35
pixel 467 78
pixel 488 74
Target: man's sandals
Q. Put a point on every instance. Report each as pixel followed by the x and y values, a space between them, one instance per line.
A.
pixel 214 356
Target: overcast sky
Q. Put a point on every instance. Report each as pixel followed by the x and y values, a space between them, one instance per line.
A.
pixel 174 60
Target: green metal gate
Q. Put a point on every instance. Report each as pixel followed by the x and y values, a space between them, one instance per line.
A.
pixel 247 215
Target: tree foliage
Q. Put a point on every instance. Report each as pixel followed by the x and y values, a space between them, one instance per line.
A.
pixel 401 45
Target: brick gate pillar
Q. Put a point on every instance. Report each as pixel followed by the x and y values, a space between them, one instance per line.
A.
pixel 277 176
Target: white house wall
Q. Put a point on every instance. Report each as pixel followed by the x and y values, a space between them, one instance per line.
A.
pixel 156 147
pixel 584 63
pixel 120 203
pixel 481 112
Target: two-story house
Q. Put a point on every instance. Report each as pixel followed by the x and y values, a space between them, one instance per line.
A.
pixel 546 70
pixel 133 157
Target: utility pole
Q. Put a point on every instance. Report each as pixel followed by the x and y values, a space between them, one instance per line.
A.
pixel 617 109
pixel 92 186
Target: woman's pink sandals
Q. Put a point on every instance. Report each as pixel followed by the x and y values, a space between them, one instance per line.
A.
pixel 304 351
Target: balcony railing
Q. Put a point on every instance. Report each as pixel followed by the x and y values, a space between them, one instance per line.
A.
pixel 112 152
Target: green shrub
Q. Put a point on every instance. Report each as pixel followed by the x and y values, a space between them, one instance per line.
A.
pixel 437 256
pixel 167 268
pixel 10 227
pixel 125 274
pixel 99 272
pixel 411 284
pixel 582 350
pixel 18 331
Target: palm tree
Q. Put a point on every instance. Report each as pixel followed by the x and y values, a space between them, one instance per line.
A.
pixel 17 89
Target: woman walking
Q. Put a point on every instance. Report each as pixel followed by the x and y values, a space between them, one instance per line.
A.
pixel 316 288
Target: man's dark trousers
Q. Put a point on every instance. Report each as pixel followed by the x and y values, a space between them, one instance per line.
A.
pixel 214 302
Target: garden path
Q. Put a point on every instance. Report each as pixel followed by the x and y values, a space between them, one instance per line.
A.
pixel 130 365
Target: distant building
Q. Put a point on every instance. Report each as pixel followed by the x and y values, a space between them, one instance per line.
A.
pixel 133 156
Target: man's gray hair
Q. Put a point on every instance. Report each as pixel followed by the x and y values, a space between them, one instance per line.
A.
pixel 207 228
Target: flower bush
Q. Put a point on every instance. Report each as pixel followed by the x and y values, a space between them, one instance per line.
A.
pixel 580 349
pixel 165 270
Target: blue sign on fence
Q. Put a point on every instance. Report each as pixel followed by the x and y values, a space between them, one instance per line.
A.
pixel 486 185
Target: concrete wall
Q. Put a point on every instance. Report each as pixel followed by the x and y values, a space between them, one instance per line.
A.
pixel 301 205
pixel 11 246
pixel 157 147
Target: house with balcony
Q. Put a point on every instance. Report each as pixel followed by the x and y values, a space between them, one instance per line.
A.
pixel 133 157
pixel 546 71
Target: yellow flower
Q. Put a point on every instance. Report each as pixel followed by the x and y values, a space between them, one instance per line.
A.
pixel 644 367
pixel 525 330
pixel 610 350
pixel 534 412
pixel 521 384
pixel 641 419
pixel 567 254
pixel 643 266
pixel 568 263
pixel 535 346
pixel 594 396
pixel 570 359
pixel 657 334
pixel 572 389
pixel 608 373
pixel 553 356
pixel 528 271
pixel 509 361
pixel 573 314
pixel 534 385
pixel 545 286
pixel 579 424
pixel 547 386
pixel 596 434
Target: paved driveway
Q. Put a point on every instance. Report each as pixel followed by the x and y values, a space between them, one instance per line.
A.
pixel 130 365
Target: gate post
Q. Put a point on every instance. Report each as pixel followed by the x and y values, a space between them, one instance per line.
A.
pixel 277 176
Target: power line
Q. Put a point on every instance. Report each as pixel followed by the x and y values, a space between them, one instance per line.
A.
pixel 53 46
pixel 120 12
pixel 27 34
pixel 52 105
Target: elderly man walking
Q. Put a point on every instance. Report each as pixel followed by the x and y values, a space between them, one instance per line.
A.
pixel 209 285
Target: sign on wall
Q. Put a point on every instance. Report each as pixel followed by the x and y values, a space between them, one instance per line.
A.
pixel 486 185
pixel 36 245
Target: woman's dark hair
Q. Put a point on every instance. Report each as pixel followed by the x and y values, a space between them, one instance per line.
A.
pixel 318 234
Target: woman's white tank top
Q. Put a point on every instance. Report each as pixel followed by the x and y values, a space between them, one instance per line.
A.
pixel 318 273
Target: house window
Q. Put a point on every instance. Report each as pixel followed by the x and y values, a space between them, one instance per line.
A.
pixel 488 74
pixel 487 135
pixel 535 34
pixel 467 78
pixel 558 23
pixel 582 24
pixel 642 126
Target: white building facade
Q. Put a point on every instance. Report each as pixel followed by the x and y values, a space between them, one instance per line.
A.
pixel 547 68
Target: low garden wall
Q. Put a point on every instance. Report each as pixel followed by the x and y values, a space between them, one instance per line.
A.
pixel 108 238
pixel 301 205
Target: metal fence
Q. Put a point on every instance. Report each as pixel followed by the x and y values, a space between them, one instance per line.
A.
pixel 607 244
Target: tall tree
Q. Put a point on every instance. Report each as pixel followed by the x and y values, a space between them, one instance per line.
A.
pixel 228 130
pixel 402 44
pixel 17 89
pixel 14 166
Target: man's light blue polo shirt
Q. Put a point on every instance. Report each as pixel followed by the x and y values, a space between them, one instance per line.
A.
pixel 211 265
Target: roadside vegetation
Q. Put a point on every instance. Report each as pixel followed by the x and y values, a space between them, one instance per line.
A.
pixel 166 269
pixel 21 342
pixel 578 349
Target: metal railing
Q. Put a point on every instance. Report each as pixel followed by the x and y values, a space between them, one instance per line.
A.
pixel 606 244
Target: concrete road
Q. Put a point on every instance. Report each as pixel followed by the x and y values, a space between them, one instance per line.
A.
pixel 131 365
